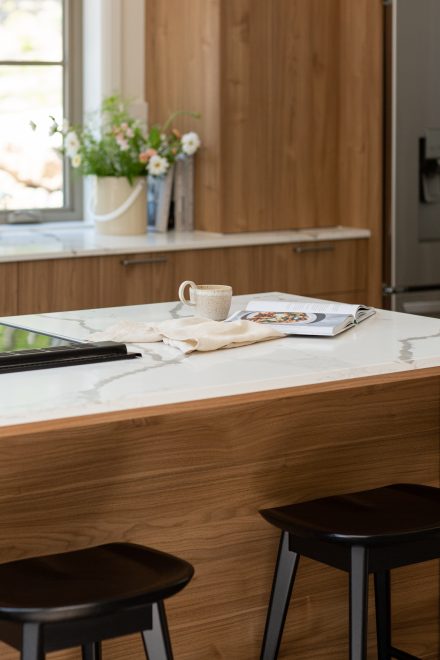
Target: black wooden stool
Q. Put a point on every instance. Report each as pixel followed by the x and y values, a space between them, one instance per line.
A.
pixel 371 531
pixel 81 598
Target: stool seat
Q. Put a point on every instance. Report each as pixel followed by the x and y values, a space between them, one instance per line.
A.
pixel 397 513
pixel 370 531
pixel 90 582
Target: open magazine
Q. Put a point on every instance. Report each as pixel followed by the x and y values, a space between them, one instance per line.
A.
pixel 302 318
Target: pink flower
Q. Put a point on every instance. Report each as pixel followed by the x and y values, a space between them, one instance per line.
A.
pixel 122 142
pixel 145 156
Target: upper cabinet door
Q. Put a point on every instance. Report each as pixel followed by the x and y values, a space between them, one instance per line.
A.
pixel 290 93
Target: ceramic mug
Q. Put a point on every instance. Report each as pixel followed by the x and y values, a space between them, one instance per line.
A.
pixel 211 301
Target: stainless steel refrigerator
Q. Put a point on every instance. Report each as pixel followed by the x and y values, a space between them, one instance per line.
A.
pixel 412 159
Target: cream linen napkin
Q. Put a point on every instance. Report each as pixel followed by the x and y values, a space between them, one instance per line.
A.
pixel 189 334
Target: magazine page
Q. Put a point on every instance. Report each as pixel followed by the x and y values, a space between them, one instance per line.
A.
pixel 358 312
pixel 298 323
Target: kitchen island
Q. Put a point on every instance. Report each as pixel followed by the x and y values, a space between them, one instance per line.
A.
pixel 180 452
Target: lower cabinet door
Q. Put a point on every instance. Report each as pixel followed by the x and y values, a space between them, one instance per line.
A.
pixel 8 289
pixel 136 279
pixel 309 268
pixel 312 267
pixel 55 285
pixel 239 267
pixel 328 266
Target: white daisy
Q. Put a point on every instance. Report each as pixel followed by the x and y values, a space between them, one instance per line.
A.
pixel 76 160
pixel 157 165
pixel 71 144
pixel 190 143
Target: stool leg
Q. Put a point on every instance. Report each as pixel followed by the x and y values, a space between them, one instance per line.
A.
pixel 32 647
pixel 157 642
pixel 282 585
pixel 382 592
pixel 358 603
pixel 91 651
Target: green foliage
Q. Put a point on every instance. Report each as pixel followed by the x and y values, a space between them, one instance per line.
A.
pixel 116 144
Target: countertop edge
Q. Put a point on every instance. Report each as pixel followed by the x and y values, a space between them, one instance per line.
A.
pixel 131 415
pixel 158 243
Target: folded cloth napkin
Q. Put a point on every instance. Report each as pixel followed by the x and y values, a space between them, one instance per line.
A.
pixel 189 334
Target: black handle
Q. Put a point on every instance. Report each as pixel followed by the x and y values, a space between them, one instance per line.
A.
pixel 145 260
pixel 299 249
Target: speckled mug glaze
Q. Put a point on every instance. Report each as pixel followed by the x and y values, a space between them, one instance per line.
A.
pixel 211 301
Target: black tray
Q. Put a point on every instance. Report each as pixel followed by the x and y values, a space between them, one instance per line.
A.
pixel 23 349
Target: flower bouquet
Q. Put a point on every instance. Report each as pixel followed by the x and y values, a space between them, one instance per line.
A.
pixel 119 152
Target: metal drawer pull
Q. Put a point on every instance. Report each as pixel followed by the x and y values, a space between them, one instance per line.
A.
pixel 313 248
pixel 145 260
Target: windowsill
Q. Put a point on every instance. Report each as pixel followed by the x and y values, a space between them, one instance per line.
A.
pixel 57 226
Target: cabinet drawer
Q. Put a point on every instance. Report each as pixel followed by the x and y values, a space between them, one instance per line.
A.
pixel 8 289
pixel 136 279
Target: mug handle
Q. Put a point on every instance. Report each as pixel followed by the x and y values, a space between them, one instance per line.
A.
pixel 182 288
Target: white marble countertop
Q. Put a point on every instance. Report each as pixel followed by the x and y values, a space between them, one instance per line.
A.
pixel 63 240
pixel 385 343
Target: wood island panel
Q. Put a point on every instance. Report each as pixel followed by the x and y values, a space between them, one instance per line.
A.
pixel 190 479
pixel 54 285
pixel 8 289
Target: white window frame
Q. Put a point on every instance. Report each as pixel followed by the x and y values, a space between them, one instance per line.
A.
pixel 72 102
pixel 108 57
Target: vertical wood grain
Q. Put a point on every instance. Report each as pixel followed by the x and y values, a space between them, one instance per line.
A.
pixel 191 479
pixel 54 285
pixel 148 278
pixel 183 73
pixel 246 123
pixel 239 267
pixel 304 113
pixel 8 289
pixel 360 172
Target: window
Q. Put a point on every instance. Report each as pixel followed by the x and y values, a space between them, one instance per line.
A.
pixel 40 75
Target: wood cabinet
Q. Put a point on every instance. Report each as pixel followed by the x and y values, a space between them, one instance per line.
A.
pixel 327 269
pixel 8 289
pixel 240 267
pixel 324 268
pixel 314 268
pixel 291 103
pixel 290 99
pixel 136 279
pixel 55 285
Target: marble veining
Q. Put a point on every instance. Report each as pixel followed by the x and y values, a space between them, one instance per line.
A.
pixel 386 343
pixel 407 346
pixel 63 240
